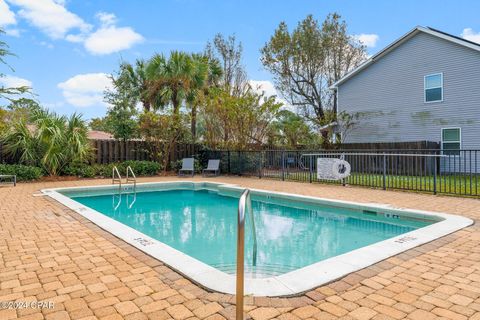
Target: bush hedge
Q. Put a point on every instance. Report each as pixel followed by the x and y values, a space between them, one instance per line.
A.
pixel 140 168
pixel 23 173
pixel 79 170
pixel 83 170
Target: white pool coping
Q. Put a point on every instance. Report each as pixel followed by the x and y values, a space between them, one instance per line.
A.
pixel 288 284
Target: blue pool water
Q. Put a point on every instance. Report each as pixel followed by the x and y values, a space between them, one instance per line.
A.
pixel 290 234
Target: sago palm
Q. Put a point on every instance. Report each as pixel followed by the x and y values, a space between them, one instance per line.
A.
pixel 50 141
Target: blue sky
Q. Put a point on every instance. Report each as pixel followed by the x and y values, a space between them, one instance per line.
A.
pixel 65 47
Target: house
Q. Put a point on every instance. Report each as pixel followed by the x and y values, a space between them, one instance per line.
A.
pixel 423 86
pixel 99 135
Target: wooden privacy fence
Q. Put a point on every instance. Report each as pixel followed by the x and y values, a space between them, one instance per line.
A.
pixel 108 151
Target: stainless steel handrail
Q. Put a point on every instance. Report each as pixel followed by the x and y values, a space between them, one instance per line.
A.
pixel 119 179
pixel 244 205
pixel 133 178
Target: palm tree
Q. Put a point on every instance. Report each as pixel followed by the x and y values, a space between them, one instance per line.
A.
pixel 180 79
pixel 169 80
pixel 134 80
pixel 207 73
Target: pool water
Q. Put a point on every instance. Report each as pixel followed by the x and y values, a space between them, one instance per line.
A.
pixel 290 234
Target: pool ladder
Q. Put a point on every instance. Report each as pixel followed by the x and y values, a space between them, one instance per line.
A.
pixel 244 205
pixel 117 178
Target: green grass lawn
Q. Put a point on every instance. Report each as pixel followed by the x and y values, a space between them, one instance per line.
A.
pixel 448 184
pixel 455 184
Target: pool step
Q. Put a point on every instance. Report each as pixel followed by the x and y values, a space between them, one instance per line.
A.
pixel 262 271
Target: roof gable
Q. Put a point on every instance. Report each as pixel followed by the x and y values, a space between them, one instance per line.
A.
pixel 400 41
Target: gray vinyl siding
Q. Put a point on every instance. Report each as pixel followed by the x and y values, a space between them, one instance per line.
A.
pixel 388 95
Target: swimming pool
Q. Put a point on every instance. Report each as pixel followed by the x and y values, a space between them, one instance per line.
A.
pixel 303 242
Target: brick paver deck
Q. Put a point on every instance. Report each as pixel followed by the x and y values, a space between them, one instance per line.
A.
pixel 48 252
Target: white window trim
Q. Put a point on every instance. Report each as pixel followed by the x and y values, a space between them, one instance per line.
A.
pixel 425 87
pixel 460 141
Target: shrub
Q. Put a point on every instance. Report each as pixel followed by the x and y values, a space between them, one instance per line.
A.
pixel 140 168
pixel 103 170
pixel 81 170
pixel 23 173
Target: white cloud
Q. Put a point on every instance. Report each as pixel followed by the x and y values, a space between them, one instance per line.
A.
pixel 76 38
pixel 369 40
pixel 12 32
pixel 106 19
pixel 263 86
pixel 50 16
pixel 471 35
pixel 109 38
pixel 9 81
pixel 46 44
pixel 53 18
pixel 7 16
pixel 86 90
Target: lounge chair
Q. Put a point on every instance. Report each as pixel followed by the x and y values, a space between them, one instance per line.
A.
pixel 12 177
pixel 213 167
pixel 187 167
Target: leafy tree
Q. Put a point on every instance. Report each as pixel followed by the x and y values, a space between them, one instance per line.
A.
pixel 49 141
pixel 290 130
pixel 344 123
pixel 120 119
pixel 307 61
pixel 229 54
pixel 206 76
pixel 13 96
pixel 161 131
pixel 6 93
pixel 21 108
pixel 99 124
pixel 129 89
pixel 122 123
pixel 237 122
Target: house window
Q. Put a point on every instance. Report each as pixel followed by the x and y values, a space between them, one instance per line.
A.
pixel 434 87
pixel 451 141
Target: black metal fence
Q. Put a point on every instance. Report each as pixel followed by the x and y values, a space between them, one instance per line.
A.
pixel 436 171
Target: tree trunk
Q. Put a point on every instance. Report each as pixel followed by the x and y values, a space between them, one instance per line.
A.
pixel 146 106
pixel 193 124
pixel 175 103
pixel 335 103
